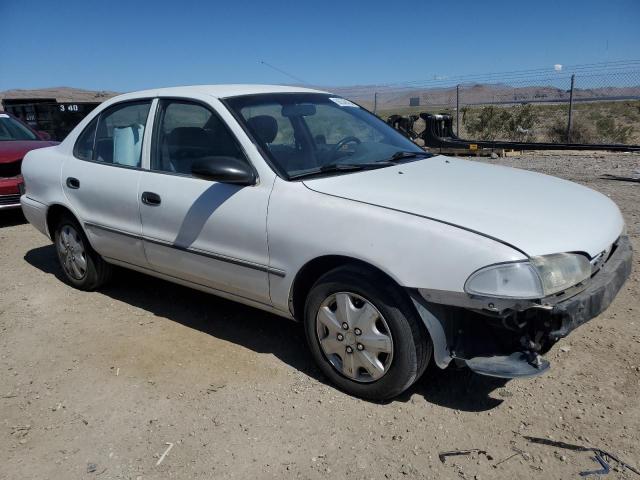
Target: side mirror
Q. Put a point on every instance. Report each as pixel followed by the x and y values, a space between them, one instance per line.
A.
pixel 224 170
pixel 43 135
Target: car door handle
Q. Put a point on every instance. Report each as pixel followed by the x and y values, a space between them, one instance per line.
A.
pixel 73 183
pixel 150 198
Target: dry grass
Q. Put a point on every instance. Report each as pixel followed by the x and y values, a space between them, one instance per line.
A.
pixel 593 122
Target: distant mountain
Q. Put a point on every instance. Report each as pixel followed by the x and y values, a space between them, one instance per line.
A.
pixel 394 97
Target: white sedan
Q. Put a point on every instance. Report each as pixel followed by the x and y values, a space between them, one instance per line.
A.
pixel 304 204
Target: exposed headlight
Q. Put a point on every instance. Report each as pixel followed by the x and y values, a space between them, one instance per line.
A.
pixel 537 278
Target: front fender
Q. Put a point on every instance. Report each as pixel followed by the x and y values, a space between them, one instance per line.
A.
pixel 415 252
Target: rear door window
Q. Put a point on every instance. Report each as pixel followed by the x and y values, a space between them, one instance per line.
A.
pixel 120 133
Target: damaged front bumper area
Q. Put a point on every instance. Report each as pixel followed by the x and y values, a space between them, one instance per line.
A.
pixel 507 338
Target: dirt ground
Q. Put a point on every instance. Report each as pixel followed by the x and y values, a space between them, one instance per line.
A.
pixel 100 385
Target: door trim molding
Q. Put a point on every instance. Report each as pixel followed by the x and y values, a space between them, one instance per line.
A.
pixel 204 288
pixel 195 251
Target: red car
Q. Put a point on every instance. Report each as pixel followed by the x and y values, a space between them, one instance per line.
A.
pixel 16 139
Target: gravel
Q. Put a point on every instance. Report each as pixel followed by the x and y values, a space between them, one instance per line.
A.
pixel 109 379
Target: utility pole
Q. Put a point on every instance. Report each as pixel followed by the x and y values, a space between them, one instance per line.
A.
pixel 573 78
pixel 457 110
pixel 375 101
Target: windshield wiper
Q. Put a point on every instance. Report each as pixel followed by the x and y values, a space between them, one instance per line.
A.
pixel 342 167
pixel 352 167
pixel 401 155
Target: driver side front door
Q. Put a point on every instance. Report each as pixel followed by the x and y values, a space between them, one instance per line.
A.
pixel 207 233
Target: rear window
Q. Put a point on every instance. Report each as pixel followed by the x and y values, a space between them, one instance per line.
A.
pixel 12 129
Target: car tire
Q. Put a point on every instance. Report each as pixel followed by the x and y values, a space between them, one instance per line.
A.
pixel 370 369
pixel 81 265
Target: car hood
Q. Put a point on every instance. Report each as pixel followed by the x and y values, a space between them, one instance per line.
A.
pixel 537 214
pixel 13 150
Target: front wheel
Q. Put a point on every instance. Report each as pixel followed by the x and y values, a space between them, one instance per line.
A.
pixel 364 333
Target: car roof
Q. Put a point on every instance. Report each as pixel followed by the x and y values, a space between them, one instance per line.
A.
pixel 221 91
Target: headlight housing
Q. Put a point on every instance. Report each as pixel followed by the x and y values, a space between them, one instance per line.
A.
pixel 540 277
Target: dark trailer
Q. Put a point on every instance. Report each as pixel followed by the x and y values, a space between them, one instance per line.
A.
pixel 49 115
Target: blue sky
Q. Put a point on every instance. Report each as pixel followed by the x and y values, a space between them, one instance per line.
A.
pixel 130 45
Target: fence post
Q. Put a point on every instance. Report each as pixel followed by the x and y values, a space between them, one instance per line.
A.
pixel 457 110
pixel 375 101
pixel 573 78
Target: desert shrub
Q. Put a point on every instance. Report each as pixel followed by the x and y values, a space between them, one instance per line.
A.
pixel 608 131
pixel 548 122
pixel 465 113
pixel 488 124
pixel 491 123
pixel 594 115
pixel 519 126
pixel 580 133
pixel 557 132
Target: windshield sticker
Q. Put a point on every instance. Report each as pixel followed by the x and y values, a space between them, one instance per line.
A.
pixel 342 102
pixel 4 115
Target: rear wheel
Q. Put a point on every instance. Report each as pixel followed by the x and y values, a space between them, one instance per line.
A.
pixel 364 333
pixel 82 266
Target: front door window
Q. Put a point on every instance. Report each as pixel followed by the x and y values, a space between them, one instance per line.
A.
pixel 188 132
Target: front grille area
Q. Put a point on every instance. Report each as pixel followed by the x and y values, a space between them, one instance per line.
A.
pixel 11 169
pixel 9 199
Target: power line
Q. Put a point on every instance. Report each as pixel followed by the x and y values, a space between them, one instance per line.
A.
pixel 283 72
pixel 603 66
pixel 620 66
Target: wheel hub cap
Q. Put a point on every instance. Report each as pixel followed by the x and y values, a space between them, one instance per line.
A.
pixel 72 253
pixel 354 337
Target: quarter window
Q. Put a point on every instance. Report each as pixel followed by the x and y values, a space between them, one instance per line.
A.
pixel 120 133
pixel 83 148
pixel 187 132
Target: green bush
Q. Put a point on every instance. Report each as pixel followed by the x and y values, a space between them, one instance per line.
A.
pixel 608 131
pixel 548 122
pixel 491 123
pixel 580 133
pixel 519 127
pixel 487 124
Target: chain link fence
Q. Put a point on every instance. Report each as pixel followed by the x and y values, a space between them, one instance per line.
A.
pixel 598 103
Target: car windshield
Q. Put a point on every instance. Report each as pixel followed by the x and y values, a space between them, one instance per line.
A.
pixel 11 129
pixel 307 134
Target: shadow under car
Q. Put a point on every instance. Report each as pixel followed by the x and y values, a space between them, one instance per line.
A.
pixel 263 332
